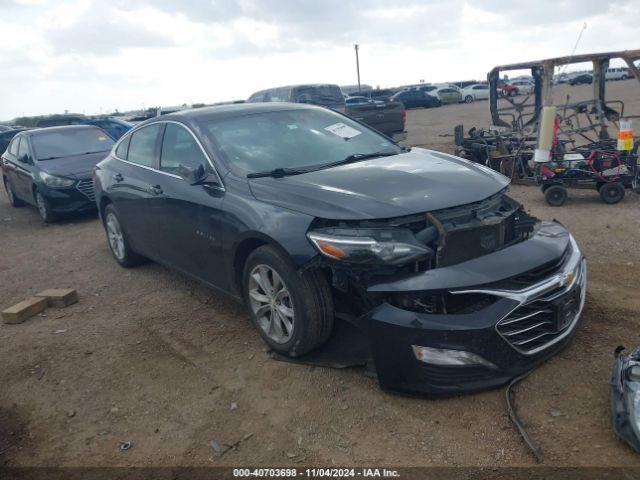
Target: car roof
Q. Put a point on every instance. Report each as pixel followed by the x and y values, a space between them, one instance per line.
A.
pixel 231 110
pixel 38 131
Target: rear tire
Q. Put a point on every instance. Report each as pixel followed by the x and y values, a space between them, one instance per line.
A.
pixel 468 99
pixel 44 208
pixel 612 193
pixel 292 310
pixel 13 200
pixel 117 240
pixel 556 195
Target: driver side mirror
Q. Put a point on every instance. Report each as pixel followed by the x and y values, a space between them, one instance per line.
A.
pixel 198 176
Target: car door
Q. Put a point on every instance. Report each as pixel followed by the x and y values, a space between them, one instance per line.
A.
pixel 446 95
pixel 188 217
pixel 132 186
pixel 413 99
pixel 24 171
pixel 10 159
pixel 481 92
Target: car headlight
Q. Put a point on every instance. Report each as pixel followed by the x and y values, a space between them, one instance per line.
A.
pixel 369 246
pixel 54 181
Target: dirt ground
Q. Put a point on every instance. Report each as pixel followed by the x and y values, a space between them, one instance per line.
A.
pixel 150 357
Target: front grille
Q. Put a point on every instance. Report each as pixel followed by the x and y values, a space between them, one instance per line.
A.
pixel 541 321
pixel 86 187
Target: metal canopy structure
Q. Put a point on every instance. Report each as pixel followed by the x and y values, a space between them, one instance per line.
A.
pixel 542 72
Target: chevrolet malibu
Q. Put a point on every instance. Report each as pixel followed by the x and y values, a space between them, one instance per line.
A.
pixel 311 218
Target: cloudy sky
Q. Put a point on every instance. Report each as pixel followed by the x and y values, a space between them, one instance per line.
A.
pixel 94 56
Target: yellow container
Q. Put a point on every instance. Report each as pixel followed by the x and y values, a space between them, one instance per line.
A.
pixel 625 136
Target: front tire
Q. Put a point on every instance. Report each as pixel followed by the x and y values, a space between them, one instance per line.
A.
pixel 117 240
pixel 292 310
pixel 612 193
pixel 13 200
pixel 556 195
pixel 44 208
pixel 468 99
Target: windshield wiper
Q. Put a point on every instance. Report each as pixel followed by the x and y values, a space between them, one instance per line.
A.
pixel 356 157
pixel 278 172
pixel 51 158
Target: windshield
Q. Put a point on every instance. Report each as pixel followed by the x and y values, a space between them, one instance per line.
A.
pixel 66 143
pixel 293 139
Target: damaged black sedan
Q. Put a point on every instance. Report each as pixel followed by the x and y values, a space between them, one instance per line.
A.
pixel 312 218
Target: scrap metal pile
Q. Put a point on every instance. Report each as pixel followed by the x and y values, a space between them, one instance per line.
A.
pixel 592 140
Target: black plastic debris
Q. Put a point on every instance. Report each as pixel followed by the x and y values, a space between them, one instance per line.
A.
pixel 625 397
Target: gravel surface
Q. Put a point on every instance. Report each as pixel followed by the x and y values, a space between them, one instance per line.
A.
pixel 154 359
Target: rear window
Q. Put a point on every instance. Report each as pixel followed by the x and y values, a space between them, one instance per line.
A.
pixel 326 95
pixel 66 143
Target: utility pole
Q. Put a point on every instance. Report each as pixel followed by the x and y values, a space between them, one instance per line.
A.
pixel 357 66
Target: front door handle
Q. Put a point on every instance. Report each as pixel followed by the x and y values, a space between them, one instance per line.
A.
pixel 156 190
pixel 118 177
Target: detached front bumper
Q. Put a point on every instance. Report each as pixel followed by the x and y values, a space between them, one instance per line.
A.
pixel 533 294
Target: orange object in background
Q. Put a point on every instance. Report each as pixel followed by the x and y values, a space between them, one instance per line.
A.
pixel 625 136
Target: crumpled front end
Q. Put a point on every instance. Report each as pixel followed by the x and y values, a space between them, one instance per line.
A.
pixel 483 334
pixel 625 397
pixel 460 299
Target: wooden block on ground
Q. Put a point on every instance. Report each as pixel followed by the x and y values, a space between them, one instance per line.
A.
pixel 60 297
pixel 25 309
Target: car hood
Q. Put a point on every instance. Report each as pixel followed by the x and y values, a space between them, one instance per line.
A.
pixel 385 187
pixel 75 166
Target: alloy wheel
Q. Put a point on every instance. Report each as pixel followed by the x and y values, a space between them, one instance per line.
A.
pixel 271 303
pixel 115 236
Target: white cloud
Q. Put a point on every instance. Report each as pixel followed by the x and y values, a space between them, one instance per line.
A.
pixel 88 55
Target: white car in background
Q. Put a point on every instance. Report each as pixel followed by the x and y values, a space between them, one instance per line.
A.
pixel 525 87
pixel 616 74
pixel 478 91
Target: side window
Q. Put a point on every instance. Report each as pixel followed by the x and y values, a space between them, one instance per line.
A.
pixel 180 149
pixel 123 147
pixel 23 149
pixel 142 146
pixel 13 148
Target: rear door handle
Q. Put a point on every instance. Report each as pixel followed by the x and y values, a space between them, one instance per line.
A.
pixel 156 190
pixel 118 177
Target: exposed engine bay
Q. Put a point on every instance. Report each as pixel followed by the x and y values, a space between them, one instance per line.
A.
pixel 418 243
